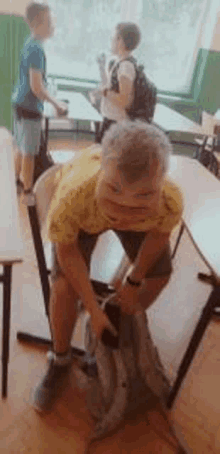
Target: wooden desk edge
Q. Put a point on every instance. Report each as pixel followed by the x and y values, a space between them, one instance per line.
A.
pixel 11 261
pixel 213 272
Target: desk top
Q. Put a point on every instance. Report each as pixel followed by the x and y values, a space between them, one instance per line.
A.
pixel 79 107
pixel 170 120
pixel 201 192
pixel 11 245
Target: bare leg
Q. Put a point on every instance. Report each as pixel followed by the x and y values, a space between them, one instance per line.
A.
pixel 63 304
pixel 27 171
pixel 151 290
pixel 18 163
pixel 120 272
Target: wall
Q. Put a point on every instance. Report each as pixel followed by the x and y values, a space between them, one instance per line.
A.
pixel 216 36
pixel 13 6
pixel 18 7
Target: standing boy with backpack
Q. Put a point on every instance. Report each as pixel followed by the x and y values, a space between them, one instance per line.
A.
pixel 126 92
pixel 29 94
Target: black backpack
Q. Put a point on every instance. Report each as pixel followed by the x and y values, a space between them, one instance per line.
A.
pixel 145 93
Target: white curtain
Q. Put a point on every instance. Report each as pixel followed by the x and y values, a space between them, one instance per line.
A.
pixel 172 32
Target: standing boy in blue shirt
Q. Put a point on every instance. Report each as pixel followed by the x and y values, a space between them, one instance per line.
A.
pixel 30 93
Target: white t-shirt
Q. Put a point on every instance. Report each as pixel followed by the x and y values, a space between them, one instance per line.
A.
pixel 108 109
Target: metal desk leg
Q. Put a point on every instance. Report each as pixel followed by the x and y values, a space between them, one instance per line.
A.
pixel 39 249
pixel 45 285
pixel 5 278
pixel 97 130
pixel 46 132
pixel 212 303
pixel 178 240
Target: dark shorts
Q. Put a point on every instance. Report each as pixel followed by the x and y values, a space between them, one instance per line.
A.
pixel 131 242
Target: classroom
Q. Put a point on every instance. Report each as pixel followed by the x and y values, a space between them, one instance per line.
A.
pixel 110 217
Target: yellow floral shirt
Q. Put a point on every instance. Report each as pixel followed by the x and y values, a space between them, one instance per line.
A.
pixel 74 208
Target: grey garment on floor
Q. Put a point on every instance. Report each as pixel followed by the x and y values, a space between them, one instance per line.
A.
pixel 128 377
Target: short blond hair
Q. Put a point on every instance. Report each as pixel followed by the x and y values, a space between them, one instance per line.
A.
pixel 136 146
pixel 34 11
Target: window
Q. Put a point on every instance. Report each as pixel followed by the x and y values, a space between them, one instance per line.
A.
pixel 172 33
pixel 83 31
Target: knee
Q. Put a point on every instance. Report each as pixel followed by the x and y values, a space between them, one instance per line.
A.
pixel 164 280
pixel 62 289
pixel 161 283
pixel 153 287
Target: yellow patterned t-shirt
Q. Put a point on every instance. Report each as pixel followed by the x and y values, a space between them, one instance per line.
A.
pixel 74 208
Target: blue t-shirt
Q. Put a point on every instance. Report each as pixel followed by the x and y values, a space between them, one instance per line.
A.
pixel 32 56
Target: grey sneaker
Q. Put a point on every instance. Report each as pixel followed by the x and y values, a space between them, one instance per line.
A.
pixel 51 386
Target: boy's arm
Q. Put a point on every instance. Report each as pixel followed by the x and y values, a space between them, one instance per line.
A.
pixel 40 91
pixel 123 98
pixel 126 75
pixel 133 299
pixel 150 251
pixel 102 64
pixel 75 270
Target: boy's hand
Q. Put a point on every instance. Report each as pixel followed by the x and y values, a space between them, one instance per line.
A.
pixel 95 95
pixel 128 298
pixel 103 89
pixel 100 321
pixel 61 108
pixel 101 60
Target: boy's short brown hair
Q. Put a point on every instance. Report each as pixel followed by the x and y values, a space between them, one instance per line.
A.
pixel 130 33
pixel 34 10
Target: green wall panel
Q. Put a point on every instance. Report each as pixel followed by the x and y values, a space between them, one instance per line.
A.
pixel 13 31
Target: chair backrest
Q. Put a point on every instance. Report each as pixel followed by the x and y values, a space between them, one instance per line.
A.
pixel 46 184
pixel 44 190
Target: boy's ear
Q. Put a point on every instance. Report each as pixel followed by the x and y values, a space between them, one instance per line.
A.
pixel 31 24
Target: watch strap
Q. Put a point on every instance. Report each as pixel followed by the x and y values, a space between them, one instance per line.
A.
pixel 133 283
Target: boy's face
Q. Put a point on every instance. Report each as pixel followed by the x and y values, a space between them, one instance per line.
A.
pixel 43 27
pixel 125 203
pixel 116 42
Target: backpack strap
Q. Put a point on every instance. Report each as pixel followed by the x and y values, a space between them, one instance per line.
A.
pixel 131 59
pixel 114 76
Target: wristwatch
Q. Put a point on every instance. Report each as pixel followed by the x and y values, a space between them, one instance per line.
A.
pixel 133 283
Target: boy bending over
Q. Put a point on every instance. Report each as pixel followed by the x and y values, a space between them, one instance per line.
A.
pixel 121 186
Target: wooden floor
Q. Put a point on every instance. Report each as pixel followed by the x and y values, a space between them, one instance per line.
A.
pixel 196 412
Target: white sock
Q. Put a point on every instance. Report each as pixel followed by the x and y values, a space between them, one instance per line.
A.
pixel 60 359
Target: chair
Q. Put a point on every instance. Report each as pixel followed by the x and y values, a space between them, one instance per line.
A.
pixel 44 190
pixel 37 211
